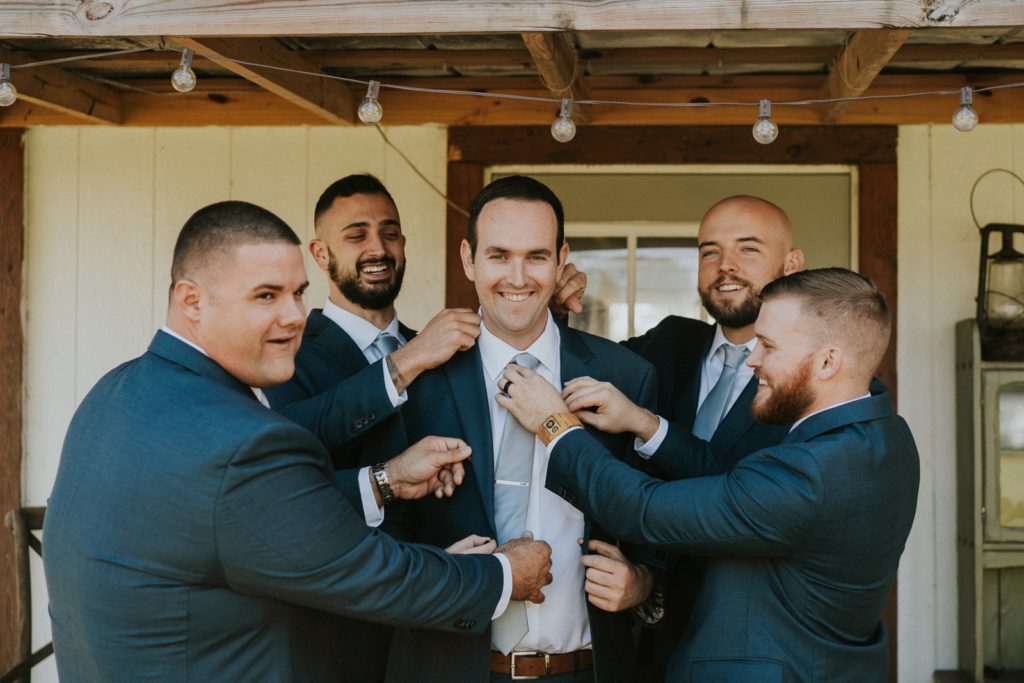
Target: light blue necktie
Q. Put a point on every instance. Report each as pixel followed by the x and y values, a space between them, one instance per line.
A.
pixel 512 475
pixel 715 405
pixel 384 345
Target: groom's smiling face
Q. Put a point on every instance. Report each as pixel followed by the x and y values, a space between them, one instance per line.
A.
pixel 515 267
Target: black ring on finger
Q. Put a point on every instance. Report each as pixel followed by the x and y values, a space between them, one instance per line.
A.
pixel 504 389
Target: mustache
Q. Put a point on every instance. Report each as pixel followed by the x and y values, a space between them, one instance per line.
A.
pixel 386 260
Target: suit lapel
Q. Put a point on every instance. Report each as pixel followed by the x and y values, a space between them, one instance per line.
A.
pixel 737 421
pixel 323 331
pixel 684 409
pixel 466 380
pixel 574 357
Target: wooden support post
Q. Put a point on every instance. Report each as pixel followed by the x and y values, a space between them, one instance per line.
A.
pixel 12 242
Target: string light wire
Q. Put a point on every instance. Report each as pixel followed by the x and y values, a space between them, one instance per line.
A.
pixel 535 98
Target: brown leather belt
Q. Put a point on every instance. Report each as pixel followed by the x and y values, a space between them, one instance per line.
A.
pixel 526 665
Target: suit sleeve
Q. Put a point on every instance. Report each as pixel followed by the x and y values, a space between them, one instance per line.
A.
pixel 683 456
pixel 339 414
pixel 284 531
pixel 765 506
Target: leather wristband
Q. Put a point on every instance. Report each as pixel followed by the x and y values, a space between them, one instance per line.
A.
pixel 556 424
pixel 380 478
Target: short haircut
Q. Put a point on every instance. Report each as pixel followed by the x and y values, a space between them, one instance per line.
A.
pixel 847 307
pixel 215 229
pixel 358 183
pixel 518 187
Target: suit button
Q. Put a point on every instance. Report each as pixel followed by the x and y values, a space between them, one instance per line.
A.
pixel 370 418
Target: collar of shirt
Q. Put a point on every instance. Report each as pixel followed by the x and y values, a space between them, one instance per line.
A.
pixel 361 330
pixel 496 354
pixel 260 396
pixel 834 405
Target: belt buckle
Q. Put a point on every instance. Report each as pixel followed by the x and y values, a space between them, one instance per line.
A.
pixel 529 653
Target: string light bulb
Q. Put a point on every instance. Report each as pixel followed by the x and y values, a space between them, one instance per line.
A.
pixel 765 131
pixel 184 78
pixel 370 110
pixel 8 93
pixel 965 119
pixel 564 128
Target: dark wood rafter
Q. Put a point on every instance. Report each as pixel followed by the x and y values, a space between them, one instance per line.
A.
pixel 75 98
pixel 858 64
pixel 872 149
pixel 12 246
pixel 602 59
pixel 326 99
pixel 558 67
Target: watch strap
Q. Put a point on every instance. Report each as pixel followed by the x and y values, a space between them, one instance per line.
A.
pixel 556 424
pixel 380 478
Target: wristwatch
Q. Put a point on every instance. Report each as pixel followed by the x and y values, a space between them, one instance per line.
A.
pixel 556 424
pixel 652 610
pixel 380 477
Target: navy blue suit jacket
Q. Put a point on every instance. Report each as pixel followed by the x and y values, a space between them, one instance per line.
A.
pixel 451 400
pixel 803 541
pixel 340 397
pixel 677 347
pixel 192 534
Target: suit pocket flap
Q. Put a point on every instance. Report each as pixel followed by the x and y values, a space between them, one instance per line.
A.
pixel 736 671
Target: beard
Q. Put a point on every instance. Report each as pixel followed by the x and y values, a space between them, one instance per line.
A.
pixel 730 315
pixel 372 296
pixel 788 400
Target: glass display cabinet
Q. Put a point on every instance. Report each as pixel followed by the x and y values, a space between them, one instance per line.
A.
pixel 990 510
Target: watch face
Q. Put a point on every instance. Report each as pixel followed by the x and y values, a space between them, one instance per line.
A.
pixel 551 425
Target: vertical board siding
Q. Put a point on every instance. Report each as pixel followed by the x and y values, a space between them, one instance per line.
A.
pixel 938 273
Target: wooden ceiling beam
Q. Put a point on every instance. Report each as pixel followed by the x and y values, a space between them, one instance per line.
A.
pixel 230 18
pixel 600 58
pixel 410 108
pixel 558 66
pixel 80 99
pixel 857 65
pixel 326 98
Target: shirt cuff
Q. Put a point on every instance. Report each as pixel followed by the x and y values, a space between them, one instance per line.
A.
pixel 372 513
pixel 506 590
pixel 551 444
pixel 389 385
pixel 646 450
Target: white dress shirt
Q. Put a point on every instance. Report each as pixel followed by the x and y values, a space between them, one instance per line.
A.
pixel 560 623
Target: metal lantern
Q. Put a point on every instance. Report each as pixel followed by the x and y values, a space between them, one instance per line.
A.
pixel 1001 294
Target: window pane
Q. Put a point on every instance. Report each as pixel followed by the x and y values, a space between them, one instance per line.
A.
pixel 666 280
pixel 606 304
pixel 1011 456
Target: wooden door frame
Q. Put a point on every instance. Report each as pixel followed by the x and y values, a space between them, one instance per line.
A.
pixel 872 149
pixel 12 245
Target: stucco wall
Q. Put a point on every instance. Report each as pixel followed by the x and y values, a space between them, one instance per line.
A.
pixel 104 207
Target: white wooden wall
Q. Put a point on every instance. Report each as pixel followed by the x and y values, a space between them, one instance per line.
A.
pixel 104 207
pixel 938 279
